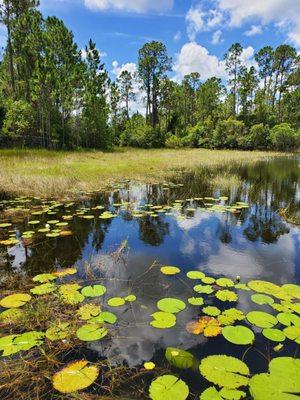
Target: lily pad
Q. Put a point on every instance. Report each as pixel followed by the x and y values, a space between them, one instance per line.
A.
pixel 88 311
pixel 15 300
pixel 116 302
pixel 226 295
pixel 93 291
pixel 91 332
pixel 105 316
pixel 44 278
pixel 276 335
pixel 225 371
pixel 224 282
pixel 203 289
pixel 196 301
pixel 211 393
pixel 238 334
pixel 168 387
pixel 163 320
pixel 130 298
pixel 195 275
pixel 58 332
pixel 169 270
pixel 11 315
pixel 45 288
pixel 75 376
pixel 293 333
pixel 261 319
pixel 262 299
pixel 171 305
pixel 288 319
pixel 180 358
pixel 211 310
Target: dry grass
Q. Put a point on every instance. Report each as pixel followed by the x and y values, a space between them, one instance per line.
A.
pixel 64 174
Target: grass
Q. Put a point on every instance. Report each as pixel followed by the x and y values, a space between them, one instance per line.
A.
pixel 63 174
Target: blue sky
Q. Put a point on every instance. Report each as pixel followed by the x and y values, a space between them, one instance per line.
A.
pixel 196 33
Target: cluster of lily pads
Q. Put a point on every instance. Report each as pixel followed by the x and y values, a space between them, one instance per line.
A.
pixel 52 219
pixel 230 377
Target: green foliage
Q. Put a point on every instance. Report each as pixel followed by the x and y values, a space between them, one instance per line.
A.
pixel 228 133
pixel 284 137
pixel 19 118
pixel 258 137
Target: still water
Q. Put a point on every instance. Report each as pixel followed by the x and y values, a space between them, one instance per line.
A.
pixel 126 253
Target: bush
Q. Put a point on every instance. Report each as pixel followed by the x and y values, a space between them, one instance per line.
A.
pixel 19 118
pixel 284 137
pixel 173 142
pixel 258 137
pixel 194 135
pixel 228 133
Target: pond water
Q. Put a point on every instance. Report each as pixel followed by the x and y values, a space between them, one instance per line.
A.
pixel 191 231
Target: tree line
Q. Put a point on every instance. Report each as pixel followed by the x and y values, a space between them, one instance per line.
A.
pixel 52 90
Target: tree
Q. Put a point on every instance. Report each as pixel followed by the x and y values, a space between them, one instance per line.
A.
pixel 153 63
pixel 265 58
pixel 248 82
pixel 233 63
pixel 125 84
pixel 95 108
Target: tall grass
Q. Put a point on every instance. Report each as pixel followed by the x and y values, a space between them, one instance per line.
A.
pixel 61 174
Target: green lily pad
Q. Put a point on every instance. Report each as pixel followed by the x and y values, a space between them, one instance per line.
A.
pixel 261 319
pixel 168 387
pixel 169 270
pixel 15 300
pixel 171 305
pixel 45 288
pixel 275 335
pixel 282 382
pixel 268 288
pixel 163 320
pixel 211 393
pixel 293 333
pixel 130 298
pixel 288 319
pixel 116 302
pixel 93 291
pixel 58 332
pixel 203 289
pixel 212 311
pixel 88 311
pixel 262 299
pixel 238 334
pixel 292 290
pixel 195 275
pixel 11 315
pixel 225 371
pixel 229 316
pixel 208 280
pixel 180 358
pixel 226 295
pixel 196 301
pixel 224 282
pixel 91 332
pixel 105 316
pixel 44 278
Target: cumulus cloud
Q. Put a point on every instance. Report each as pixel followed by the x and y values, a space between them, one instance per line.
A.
pixel 195 22
pixel 217 37
pixel 254 30
pixel 138 6
pixel 284 13
pixel 195 58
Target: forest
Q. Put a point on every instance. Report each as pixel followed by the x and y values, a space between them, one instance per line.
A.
pixel 57 96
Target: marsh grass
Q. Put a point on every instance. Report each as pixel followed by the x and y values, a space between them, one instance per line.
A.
pixel 64 174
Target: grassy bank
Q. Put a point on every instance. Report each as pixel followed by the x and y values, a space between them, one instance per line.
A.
pixel 48 173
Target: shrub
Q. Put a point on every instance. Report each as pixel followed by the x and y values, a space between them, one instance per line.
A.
pixel 258 137
pixel 284 137
pixel 19 118
pixel 194 135
pixel 173 142
pixel 228 133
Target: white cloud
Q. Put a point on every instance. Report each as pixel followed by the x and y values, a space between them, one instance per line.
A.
pixel 217 37
pixel 195 22
pixel 177 36
pixel 138 6
pixel 196 58
pixel 215 18
pixel 286 13
pixel 247 57
pixel 102 54
pixel 254 30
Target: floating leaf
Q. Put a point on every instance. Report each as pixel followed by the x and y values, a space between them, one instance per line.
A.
pixel 208 280
pixel 116 302
pixel 171 305
pixel 293 333
pixel 65 272
pixel 262 299
pixel 226 295
pixel 93 291
pixel 130 298
pixel 58 332
pixel 268 288
pixel 261 319
pixel 292 290
pixel 44 289
pixel 12 344
pixel 209 326
pixel 288 319
pixel 91 332
pixel 229 316
pixel 196 301
pixel 195 275
pixel 282 382
pixel 168 387
pixel 88 311
pixel 163 320
pixel 44 278
pixel 203 289
pixel 224 394
pixel 275 335
pixel 75 376
pixel 225 371
pixel 105 316
pixel 224 282
pixel 169 270
pixel 15 300
pixel 11 315
pixel 212 311
pixel 180 358
pixel 70 294
pixel 238 334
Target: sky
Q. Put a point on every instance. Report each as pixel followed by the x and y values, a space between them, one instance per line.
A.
pixel 197 33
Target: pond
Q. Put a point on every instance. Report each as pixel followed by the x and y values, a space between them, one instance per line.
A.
pixel 122 237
